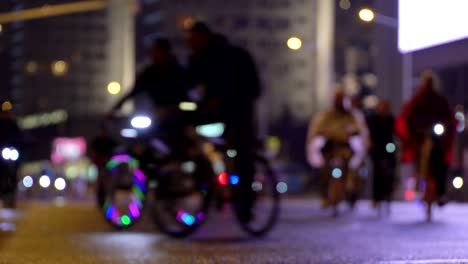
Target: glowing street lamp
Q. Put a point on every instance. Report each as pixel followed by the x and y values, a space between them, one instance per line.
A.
pixel 294 43
pixel 366 15
pixel 113 88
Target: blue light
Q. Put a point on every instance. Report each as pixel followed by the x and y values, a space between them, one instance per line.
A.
pixel 109 211
pixel 337 173
pixel 234 179
pixel 188 219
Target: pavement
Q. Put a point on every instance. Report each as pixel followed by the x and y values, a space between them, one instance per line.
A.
pixel 65 232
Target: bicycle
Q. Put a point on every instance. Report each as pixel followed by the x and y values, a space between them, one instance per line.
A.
pixel 432 167
pixel 182 182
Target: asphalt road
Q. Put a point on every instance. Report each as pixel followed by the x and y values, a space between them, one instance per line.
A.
pixel 46 232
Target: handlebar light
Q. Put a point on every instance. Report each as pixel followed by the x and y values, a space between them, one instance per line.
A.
pixel 141 122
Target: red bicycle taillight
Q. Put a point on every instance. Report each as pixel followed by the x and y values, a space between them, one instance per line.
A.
pixel 223 178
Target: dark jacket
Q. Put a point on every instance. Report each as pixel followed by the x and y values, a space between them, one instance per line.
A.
pixel 165 87
pixel 227 72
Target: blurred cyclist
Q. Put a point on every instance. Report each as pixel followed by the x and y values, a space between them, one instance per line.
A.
pixel 163 81
pixel 415 125
pixel 337 126
pixel 382 152
pixel 227 78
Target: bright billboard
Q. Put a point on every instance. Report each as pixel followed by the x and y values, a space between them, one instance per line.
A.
pixel 427 23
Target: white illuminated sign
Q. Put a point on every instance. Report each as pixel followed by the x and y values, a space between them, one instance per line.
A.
pixel 426 23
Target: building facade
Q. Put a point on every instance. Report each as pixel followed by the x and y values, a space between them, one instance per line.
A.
pixel 295 80
pixel 65 62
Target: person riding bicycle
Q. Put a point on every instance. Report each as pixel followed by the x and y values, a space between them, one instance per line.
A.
pixel 164 82
pixel 415 126
pixel 227 77
pixel 382 152
pixel 336 126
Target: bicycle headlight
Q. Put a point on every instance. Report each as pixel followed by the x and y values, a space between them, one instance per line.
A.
pixel 439 129
pixel 141 122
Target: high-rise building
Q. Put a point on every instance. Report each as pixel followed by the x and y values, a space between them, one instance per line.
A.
pixel 67 61
pixel 298 81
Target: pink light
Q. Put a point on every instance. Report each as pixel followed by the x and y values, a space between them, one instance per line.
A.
pixel 134 210
pixel 140 176
pixel 68 149
pixel 121 158
pixel 409 195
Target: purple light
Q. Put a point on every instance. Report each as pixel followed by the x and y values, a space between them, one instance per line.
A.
pixel 134 210
pixel 200 216
pixel 140 185
pixel 139 175
pixel 121 158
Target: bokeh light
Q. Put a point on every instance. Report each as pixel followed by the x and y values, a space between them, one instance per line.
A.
pixel 44 181
pixel 188 167
pixel 60 184
pixel 257 186
pixel 345 4
pixel 129 133
pixel 410 195
pixel 294 43
pixel 126 220
pixel 232 153
pixel 390 147
pixel 188 22
pixel 31 67
pixel 337 173
pixel 28 181
pixel 439 129
pixel 141 122
pixel 188 106
pixel 223 178
pixel 457 182
pixel 281 187
pixel 59 68
pixel 234 179
pixel 6 153
pixel 366 15
pixel 14 154
pixel 113 88
pixel 7 106
pixel 460 117
pixel 213 130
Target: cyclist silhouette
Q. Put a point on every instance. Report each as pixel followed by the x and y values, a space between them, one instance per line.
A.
pixel 229 80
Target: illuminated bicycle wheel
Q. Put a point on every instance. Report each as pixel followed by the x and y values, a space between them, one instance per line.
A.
pixel 182 197
pixel 125 191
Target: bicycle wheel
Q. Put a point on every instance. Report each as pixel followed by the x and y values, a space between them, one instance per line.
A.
pixel 182 196
pixel 124 191
pixel 265 202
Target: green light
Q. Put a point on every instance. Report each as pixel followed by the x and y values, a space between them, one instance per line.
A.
pixel 125 220
pixel 134 163
pixel 112 164
pixel 138 192
pixel 106 205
